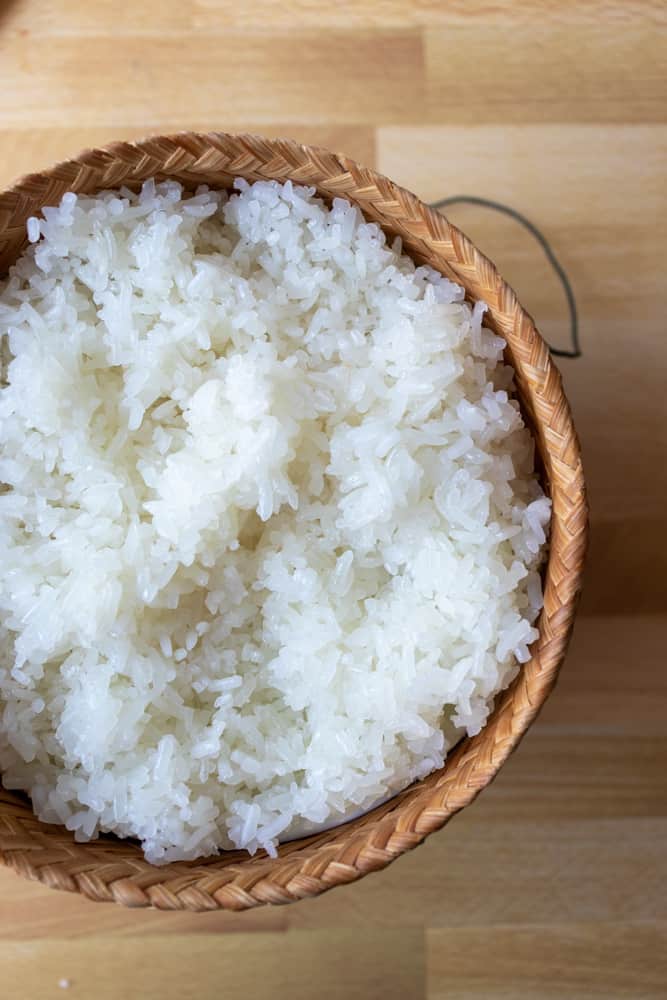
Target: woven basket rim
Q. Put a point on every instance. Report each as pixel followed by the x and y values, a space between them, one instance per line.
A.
pixel 113 870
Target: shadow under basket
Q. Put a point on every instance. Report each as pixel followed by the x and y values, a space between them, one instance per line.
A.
pixel 110 869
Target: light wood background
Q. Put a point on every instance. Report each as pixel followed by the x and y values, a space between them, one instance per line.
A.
pixel 554 884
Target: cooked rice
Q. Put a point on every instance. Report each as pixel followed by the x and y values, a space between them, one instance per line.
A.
pixel 270 527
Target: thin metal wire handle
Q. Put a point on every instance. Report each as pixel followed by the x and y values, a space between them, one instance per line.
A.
pixel 497 206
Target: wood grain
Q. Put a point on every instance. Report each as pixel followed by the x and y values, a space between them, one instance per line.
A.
pixel 543 72
pixel 155 18
pixel 549 964
pixel 221 966
pixel 294 76
pixel 555 882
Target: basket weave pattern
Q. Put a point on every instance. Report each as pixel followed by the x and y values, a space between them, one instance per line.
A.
pixel 112 870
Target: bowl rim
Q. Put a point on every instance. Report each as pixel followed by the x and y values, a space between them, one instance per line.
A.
pixel 109 869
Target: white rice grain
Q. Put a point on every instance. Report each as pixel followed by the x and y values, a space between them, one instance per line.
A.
pixel 270 527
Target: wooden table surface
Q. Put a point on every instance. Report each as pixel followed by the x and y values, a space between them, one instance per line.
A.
pixel 554 884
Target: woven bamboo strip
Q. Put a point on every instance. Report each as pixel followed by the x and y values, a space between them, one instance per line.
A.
pixel 112 870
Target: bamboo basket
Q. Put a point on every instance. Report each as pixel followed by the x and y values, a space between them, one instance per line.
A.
pixel 109 869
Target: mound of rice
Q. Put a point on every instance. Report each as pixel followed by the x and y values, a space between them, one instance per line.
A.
pixel 270 528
